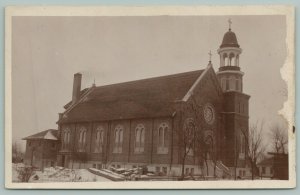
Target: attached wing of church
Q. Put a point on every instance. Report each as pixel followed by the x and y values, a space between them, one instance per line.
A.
pixel 188 123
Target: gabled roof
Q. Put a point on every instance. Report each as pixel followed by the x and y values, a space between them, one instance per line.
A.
pixel 266 162
pixel 153 97
pixel 50 134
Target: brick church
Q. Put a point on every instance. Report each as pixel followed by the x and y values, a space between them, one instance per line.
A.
pixel 188 123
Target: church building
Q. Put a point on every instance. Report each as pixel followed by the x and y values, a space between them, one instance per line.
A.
pixel 188 123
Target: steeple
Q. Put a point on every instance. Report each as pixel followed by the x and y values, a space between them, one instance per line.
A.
pixel 229 72
pixel 236 103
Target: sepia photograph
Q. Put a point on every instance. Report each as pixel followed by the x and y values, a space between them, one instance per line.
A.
pixel 150 97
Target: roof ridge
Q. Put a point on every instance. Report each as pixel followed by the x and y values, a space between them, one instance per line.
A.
pixel 150 78
pixel 40 133
pixel 198 80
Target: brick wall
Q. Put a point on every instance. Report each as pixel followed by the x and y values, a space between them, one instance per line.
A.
pixel 236 120
pixel 128 155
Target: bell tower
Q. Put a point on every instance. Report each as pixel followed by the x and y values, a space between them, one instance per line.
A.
pixel 230 74
pixel 235 105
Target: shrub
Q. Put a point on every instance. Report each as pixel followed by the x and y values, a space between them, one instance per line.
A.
pixel 24 173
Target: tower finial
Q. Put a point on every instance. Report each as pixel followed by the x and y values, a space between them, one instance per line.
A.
pixel 210 54
pixel 229 23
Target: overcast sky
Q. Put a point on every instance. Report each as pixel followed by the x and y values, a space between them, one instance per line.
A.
pixel 47 51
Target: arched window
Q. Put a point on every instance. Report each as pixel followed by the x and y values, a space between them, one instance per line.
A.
pixel 139 138
pixel 223 83
pixel 232 83
pixel 66 138
pixel 227 83
pixel 118 139
pixel 82 138
pixel 237 84
pixel 242 147
pixel 189 130
pixel 242 144
pixel 99 139
pixel 163 142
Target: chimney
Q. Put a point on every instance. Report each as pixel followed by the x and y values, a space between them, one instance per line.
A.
pixel 60 115
pixel 76 87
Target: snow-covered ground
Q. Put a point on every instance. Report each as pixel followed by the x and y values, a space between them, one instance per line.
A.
pixel 108 174
pixel 59 174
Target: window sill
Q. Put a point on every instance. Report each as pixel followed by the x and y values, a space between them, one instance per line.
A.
pixel 242 156
pixel 138 152
pixel 97 152
pixel 162 151
pixel 116 152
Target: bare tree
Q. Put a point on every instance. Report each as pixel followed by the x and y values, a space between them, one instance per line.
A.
pixel 207 153
pixel 17 155
pixel 186 132
pixel 193 139
pixel 204 145
pixel 279 141
pixel 25 173
pixel 255 147
pixel 279 138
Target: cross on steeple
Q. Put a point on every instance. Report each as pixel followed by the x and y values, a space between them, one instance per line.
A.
pixel 229 23
pixel 210 54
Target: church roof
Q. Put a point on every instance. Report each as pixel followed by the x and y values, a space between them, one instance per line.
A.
pixel 229 40
pixel 50 134
pixel 153 97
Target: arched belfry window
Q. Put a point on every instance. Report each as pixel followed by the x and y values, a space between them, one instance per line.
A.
pixel 99 139
pixel 225 59
pixel 139 138
pixel 231 59
pixel 163 138
pixel 82 138
pixel 118 135
pixel 237 60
